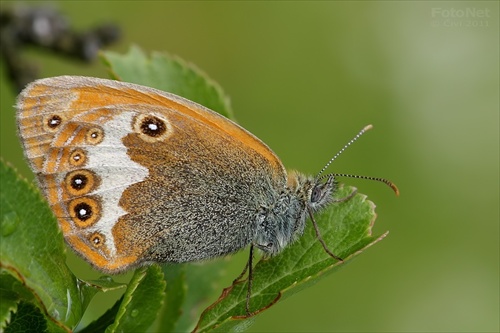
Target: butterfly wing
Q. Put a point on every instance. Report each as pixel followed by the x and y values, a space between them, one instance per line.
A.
pixel 134 174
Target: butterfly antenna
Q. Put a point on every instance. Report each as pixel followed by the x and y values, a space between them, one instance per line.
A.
pixel 366 128
pixel 383 180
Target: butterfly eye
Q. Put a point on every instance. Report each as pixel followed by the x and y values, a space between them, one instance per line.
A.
pixel 317 193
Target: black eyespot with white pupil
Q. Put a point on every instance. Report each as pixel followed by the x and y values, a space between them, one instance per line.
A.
pixel 79 181
pixel 83 211
pixel 153 126
pixel 54 121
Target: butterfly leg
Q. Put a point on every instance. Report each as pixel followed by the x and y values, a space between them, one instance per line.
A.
pixel 240 277
pixel 249 268
pixel 318 235
pixel 250 280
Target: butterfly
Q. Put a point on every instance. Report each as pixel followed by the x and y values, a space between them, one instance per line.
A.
pixel 136 175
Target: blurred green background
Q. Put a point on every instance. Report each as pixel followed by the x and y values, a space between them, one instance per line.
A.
pixel 305 77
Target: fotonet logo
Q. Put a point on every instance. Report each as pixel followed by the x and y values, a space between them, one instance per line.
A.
pixel 460 18
pixel 460 13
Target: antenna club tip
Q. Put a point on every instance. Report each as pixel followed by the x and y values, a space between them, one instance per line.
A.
pixel 394 188
pixel 367 127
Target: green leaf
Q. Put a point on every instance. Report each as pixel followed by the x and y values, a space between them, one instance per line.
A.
pixel 345 227
pixel 104 321
pixel 32 250
pixel 170 74
pixel 203 286
pixel 27 318
pixel 88 289
pixel 175 295
pixel 190 288
pixel 9 298
pixel 104 284
pixel 141 302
